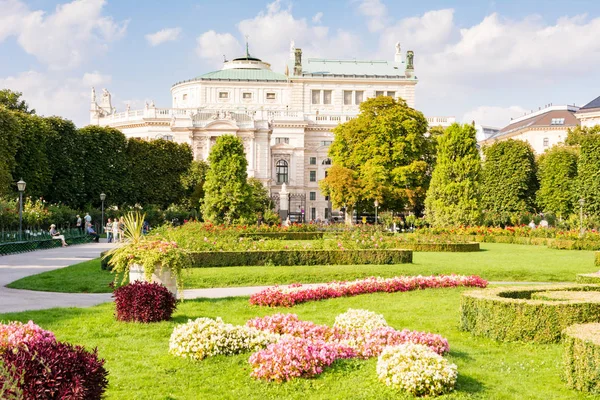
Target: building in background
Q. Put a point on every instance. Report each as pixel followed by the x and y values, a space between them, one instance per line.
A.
pixel 589 115
pixel 542 129
pixel 285 120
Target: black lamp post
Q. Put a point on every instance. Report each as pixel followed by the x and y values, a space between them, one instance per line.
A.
pixel 102 198
pixel 21 186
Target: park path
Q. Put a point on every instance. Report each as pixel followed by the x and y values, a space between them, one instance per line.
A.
pixel 17 266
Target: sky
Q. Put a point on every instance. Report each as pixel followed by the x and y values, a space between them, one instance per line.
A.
pixel 478 60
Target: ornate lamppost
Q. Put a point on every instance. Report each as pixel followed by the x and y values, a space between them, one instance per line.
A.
pixel 21 187
pixel 581 230
pixel 102 198
pixel 376 205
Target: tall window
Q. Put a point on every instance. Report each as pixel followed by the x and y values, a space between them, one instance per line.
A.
pixel 358 97
pixel 313 161
pixel 281 140
pixel 316 96
pixel 282 171
pixel 546 142
pixel 326 96
pixel 313 213
pixel 313 196
pixel 347 97
pixel 313 176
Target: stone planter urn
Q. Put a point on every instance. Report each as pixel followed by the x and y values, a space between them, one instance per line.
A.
pixel 166 278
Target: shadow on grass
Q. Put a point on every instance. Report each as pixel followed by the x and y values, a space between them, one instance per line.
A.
pixel 468 384
pixel 461 354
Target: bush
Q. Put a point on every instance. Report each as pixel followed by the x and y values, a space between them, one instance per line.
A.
pixel 581 357
pixel 359 320
pixel 285 235
pixel 588 278
pixel 144 302
pixel 55 370
pixel 597 259
pixel 510 313
pixel 416 369
pixel 300 257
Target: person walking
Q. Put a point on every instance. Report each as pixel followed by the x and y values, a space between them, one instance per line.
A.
pixel 115 231
pixel 108 230
pixel 56 235
pixel 87 218
pixel 79 224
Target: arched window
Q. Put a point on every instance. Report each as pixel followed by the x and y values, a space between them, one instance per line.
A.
pixel 281 168
pixel 326 161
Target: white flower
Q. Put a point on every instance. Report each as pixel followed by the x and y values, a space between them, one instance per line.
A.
pixel 359 320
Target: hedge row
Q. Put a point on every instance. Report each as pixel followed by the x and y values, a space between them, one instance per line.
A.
pixel 510 314
pixel 300 257
pixel 560 244
pixel 593 278
pixel 597 259
pixel 581 357
pixel 32 245
pixel 442 247
pixel 285 235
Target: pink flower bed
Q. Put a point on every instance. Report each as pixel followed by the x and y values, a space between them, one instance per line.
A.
pixel 311 347
pixel 17 333
pixel 294 357
pixel 294 294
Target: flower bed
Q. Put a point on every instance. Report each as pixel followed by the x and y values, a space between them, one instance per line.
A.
pixel 300 257
pixel 294 294
pixel 34 365
pixel 510 313
pixel 285 235
pixel 581 357
pixel 415 369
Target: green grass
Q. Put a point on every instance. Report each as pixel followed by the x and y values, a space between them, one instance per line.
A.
pixel 140 367
pixel 497 262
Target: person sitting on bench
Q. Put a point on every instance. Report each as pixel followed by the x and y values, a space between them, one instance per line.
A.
pixel 56 235
pixel 92 233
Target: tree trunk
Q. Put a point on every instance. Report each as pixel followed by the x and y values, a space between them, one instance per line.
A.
pixel 348 216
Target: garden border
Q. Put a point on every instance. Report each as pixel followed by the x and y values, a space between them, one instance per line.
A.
pixel 509 314
pixel 285 235
pixel 581 357
pixel 469 247
pixel 593 278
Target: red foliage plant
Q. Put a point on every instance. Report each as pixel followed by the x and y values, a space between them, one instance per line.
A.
pixel 53 370
pixel 144 302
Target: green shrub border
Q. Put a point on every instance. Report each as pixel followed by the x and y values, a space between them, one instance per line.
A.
pixel 33 245
pixel 442 247
pixel 581 357
pixel 300 257
pixel 593 278
pixel 508 313
pixel 559 244
pixel 597 259
pixel 285 235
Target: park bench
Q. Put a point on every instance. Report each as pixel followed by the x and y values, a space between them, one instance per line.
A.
pixel 44 242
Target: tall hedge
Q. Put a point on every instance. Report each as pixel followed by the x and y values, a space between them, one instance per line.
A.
pixel 557 173
pixel 509 180
pixel 10 129
pixel 453 195
pixel 588 168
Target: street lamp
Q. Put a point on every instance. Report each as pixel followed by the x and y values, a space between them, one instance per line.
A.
pixel 21 187
pixel 581 203
pixel 376 205
pixel 102 198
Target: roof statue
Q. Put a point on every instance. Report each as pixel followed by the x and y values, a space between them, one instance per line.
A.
pixel 410 56
pixel 398 48
pixel 93 95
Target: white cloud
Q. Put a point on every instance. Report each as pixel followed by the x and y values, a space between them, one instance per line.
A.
pixel 498 117
pixel 49 94
pixel 162 36
pixel 212 46
pixel 317 17
pixel 62 39
pixel 376 13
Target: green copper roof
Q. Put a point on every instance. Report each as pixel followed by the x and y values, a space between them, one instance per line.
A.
pixel 243 75
pixel 349 68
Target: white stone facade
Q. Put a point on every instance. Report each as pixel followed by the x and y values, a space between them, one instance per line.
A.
pixel 284 120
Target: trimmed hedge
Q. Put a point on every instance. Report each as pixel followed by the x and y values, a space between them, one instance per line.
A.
pixel 581 357
pixel 560 244
pixel 442 247
pixel 597 259
pixel 33 245
pixel 285 235
pixel 300 257
pixel 589 278
pixel 510 314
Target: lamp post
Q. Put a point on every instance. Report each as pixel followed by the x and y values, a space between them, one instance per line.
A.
pixel 581 203
pixel 376 205
pixel 21 187
pixel 102 198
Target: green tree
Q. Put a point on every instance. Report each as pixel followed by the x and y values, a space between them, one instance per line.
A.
pixel 344 188
pixel 12 101
pixel 576 135
pixel 557 173
pixel 509 180
pixel 193 184
pixel 386 148
pixel 588 169
pixel 260 200
pixel 10 131
pixel 228 194
pixel 154 171
pixel 453 195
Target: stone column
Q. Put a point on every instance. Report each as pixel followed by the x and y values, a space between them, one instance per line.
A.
pixel 284 204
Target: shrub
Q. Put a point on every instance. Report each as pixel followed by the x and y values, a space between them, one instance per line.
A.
pixel 144 302
pixel 581 357
pixel 597 259
pixel 205 337
pixel 359 320
pixel 588 278
pixel 294 357
pixel 416 369
pixel 510 314
pixel 55 370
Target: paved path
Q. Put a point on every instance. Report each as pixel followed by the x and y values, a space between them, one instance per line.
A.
pixel 18 266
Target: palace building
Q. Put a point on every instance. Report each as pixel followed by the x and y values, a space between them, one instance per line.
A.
pixel 285 120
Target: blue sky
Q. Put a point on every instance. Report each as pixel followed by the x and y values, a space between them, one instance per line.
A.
pixel 481 60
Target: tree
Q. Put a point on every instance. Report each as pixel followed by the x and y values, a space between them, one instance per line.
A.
pixel 576 135
pixel 509 180
pixel 588 169
pixel 453 195
pixel 260 200
pixel 228 193
pixel 557 173
pixel 344 188
pixel 193 183
pixel 12 101
pixel 10 130
pixel 385 148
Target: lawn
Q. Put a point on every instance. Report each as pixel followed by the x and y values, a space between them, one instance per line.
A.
pixel 496 262
pixel 140 367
